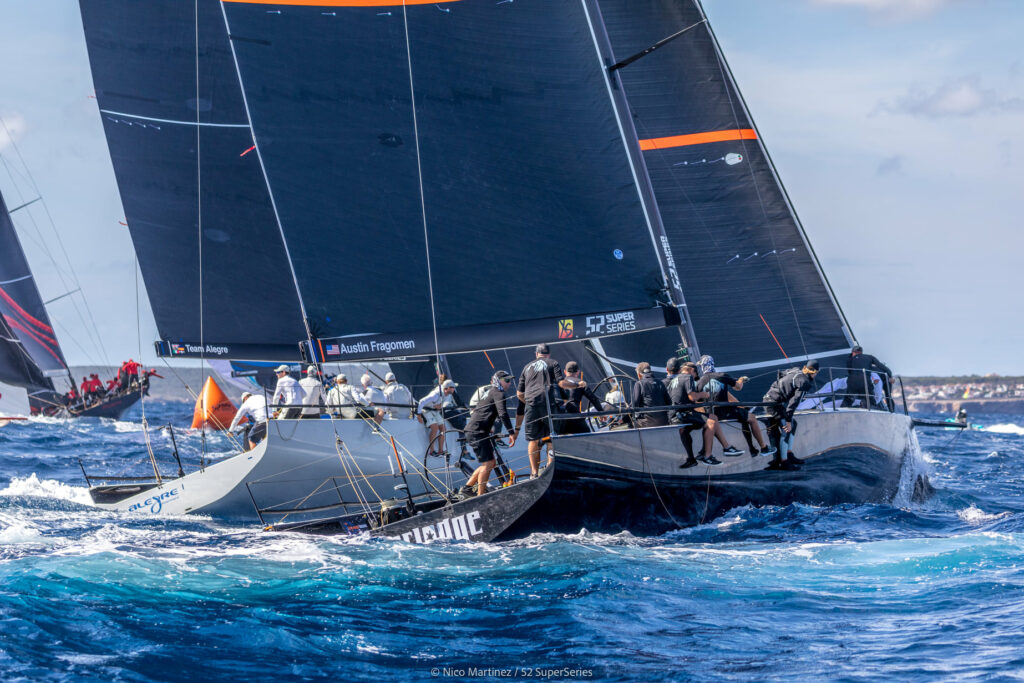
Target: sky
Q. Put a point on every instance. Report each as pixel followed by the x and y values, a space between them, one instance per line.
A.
pixel 897 127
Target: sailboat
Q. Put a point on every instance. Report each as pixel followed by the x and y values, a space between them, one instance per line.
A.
pixel 446 184
pixel 30 355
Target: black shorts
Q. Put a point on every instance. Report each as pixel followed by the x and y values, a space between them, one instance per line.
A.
pixel 737 413
pixel 689 419
pixel 535 421
pixel 258 432
pixel 482 445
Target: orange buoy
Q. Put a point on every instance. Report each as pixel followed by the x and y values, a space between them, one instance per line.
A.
pixel 213 407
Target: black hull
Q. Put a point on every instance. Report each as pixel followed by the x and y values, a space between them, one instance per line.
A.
pixel 113 408
pixel 479 518
pixel 599 498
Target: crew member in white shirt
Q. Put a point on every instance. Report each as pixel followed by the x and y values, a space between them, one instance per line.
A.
pixel 397 394
pixel 312 393
pixel 343 399
pixel 254 407
pixel 431 410
pixel 374 397
pixel 287 395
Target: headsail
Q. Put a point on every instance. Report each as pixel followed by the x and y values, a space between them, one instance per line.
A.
pixel 29 351
pixel 754 290
pixel 456 163
pixel 146 58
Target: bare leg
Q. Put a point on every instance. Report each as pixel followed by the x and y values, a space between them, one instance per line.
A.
pixel 755 427
pixel 483 473
pixel 533 449
pixel 709 434
pixel 432 448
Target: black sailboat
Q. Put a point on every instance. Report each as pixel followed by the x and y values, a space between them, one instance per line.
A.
pixel 458 180
pixel 30 353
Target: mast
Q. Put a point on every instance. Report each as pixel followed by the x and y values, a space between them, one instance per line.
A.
pixel 659 239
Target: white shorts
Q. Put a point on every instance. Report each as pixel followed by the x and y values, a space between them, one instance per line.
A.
pixel 433 417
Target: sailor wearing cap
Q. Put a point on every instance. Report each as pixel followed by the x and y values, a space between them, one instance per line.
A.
pixel 254 407
pixel 536 383
pixel 312 393
pixel 430 409
pixel 343 399
pixel 287 394
pixel 859 366
pixel 397 394
pixel 489 411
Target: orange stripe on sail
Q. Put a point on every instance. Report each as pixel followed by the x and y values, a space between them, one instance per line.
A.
pixel 698 138
pixel 343 3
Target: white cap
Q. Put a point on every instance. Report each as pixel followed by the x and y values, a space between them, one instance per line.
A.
pixel 390 377
pixel 366 379
pixel 246 394
pixel 340 377
pixel 311 370
pixel 448 384
pixel 281 368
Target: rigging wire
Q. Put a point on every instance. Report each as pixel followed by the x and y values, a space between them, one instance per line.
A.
pixel 419 176
pixel 60 242
pixel 199 239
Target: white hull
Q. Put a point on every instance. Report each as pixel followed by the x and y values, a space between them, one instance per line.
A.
pixel 298 465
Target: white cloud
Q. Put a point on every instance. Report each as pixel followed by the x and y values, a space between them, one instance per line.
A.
pixel 963 96
pixel 11 130
pixel 895 9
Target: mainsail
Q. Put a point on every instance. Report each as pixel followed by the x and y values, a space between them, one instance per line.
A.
pixel 754 290
pixel 449 176
pixel 29 352
pixel 168 94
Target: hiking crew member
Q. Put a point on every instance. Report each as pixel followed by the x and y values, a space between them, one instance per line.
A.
pixel 717 384
pixel 535 394
pixel 786 393
pixel 571 401
pixel 312 393
pixel 287 394
pixel 431 412
pixel 479 430
pixel 649 393
pixel 254 407
pixel 396 394
pixel 343 399
pixel 373 397
pixel 86 389
pixel 859 366
pixel 682 389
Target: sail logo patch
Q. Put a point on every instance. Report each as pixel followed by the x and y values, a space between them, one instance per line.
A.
pixel 565 329
pixel 333 350
pixel 611 323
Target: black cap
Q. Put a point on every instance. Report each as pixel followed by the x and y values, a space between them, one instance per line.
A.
pixel 811 364
pixel 672 365
pixel 856 348
pixel 542 348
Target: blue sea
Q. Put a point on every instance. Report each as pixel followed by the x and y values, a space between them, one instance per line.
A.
pixel 909 591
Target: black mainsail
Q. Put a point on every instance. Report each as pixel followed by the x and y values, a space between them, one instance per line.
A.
pixel 29 351
pixel 168 95
pixel 460 168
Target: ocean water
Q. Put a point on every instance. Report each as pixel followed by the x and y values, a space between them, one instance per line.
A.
pixel 910 591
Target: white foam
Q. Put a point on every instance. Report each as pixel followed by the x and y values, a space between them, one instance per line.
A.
pixel 915 466
pixel 1006 428
pixel 18 532
pixel 46 488
pixel 975 515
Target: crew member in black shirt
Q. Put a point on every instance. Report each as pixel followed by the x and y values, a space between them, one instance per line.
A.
pixel 786 393
pixel 571 401
pixel 859 367
pixel 681 390
pixel 479 430
pixel 535 395
pixel 649 393
pixel 717 384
